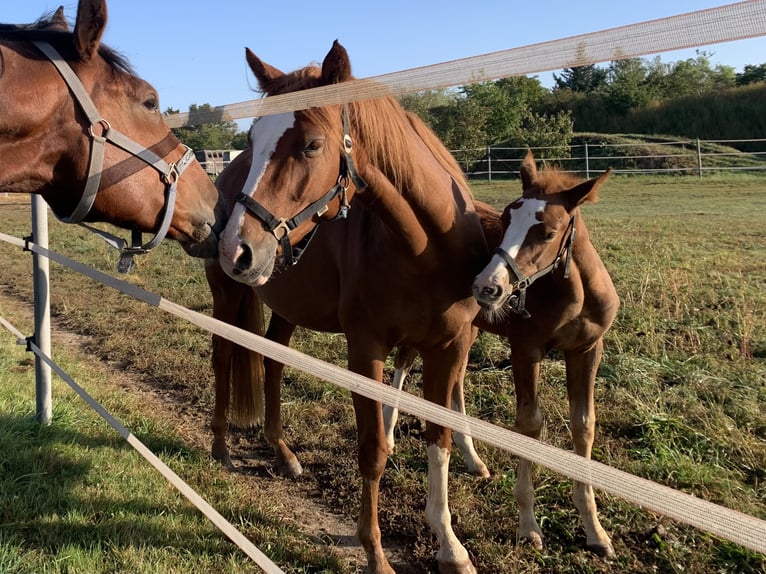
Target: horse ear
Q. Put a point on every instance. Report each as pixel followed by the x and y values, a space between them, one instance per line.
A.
pixel 90 24
pixel 528 171
pixel 264 73
pixel 336 66
pixel 587 191
pixel 58 20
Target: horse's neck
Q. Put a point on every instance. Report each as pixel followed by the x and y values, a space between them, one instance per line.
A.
pixel 439 219
pixel 30 137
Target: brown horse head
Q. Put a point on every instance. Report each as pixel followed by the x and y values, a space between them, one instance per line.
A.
pixel 47 138
pixel 539 231
pixel 301 171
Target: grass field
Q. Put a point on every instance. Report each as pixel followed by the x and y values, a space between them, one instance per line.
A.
pixel 681 400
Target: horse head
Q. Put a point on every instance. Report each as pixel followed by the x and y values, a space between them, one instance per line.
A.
pixel 301 172
pixel 539 234
pixel 92 140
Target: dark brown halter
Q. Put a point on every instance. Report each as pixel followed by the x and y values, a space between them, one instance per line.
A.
pixel 517 294
pixel 281 227
pixel 169 172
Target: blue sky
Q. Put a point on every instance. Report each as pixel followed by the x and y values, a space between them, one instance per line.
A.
pixel 193 52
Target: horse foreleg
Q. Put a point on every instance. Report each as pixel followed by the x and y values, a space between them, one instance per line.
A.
pixel 529 422
pixel 581 380
pixel 372 455
pixel 442 371
pixel 403 361
pixel 286 463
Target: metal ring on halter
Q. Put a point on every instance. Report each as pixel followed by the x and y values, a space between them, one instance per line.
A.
pixel 103 123
pixel 281 230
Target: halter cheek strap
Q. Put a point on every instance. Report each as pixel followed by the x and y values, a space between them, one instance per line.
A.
pixel 520 282
pixel 169 172
pixel 281 227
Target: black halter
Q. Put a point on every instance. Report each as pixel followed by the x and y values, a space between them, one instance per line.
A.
pixel 520 283
pixel 169 172
pixel 281 227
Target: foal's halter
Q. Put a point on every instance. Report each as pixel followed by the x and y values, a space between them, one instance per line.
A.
pixel 520 283
pixel 169 172
pixel 281 227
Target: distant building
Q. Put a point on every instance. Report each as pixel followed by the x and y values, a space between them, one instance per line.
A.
pixel 214 160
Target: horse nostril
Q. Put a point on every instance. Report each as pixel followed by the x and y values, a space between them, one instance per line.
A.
pixel 491 291
pixel 244 259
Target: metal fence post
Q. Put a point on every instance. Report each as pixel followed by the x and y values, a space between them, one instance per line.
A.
pixel 42 335
pixel 489 163
pixel 699 158
pixel 587 162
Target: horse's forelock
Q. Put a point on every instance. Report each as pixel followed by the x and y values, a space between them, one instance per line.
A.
pixel 302 79
pixel 552 180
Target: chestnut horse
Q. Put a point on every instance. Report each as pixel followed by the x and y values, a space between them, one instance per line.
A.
pixel 64 96
pixel 396 270
pixel 541 238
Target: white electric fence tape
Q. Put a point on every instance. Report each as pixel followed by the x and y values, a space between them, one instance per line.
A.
pixel 715 25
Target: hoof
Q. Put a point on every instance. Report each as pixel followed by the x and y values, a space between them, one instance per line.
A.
pixel 535 539
pixel 452 568
pixel 223 458
pixel 603 550
pixel 290 469
pixel 481 471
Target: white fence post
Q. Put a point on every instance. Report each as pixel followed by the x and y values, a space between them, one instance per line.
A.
pixel 42 335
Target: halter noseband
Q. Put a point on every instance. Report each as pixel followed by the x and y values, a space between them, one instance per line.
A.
pixel 169 172
pixel 281 227
pixel 519 285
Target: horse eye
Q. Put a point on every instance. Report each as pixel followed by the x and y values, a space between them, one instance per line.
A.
pixel 550 235
pixel 314 148
pixel 151 104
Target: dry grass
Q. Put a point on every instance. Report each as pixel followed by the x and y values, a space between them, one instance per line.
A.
pixel 680 395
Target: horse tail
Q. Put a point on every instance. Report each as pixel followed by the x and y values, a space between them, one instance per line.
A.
pixel 246 375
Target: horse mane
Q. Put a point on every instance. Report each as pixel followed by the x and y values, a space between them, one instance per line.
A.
pixel 384 128
pixel 43 30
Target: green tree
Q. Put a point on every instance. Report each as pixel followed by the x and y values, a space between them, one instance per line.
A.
pixel 583 79
pixel 751 74
pixel 695 76
pixel 627 86
pixel 218 135
pixel 422 104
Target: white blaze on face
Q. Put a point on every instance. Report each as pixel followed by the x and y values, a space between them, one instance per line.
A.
pixel 523 218
pixel 264 137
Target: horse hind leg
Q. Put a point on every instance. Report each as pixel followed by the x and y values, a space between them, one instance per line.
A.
pixel 222 349
pixel 405 357
pixel 581 377
pixel 286 463
pixel 464 442
pixel 403 361
pixel 231 305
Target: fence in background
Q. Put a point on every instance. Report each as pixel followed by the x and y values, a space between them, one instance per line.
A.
pixel 653 156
